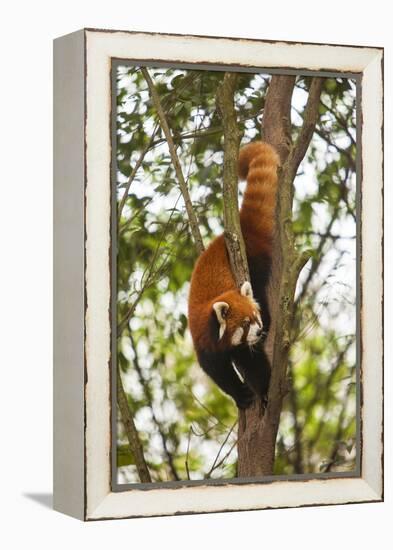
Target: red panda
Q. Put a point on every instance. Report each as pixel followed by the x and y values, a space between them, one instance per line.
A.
pixel 228 326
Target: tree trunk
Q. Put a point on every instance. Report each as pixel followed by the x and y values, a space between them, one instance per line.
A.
pixel 258 425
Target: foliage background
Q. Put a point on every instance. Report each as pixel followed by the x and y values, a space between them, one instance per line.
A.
pixel 187 426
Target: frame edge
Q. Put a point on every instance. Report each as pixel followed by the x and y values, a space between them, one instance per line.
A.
pixel 370 485
pixel 68 288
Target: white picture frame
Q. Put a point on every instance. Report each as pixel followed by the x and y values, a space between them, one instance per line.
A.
pixel 82 257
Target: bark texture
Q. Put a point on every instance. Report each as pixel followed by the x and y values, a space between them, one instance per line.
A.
pixel 258 425
pixel 232 232
pixel 132 433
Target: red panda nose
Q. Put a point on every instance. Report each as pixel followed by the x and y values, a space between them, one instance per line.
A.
pixel 259 332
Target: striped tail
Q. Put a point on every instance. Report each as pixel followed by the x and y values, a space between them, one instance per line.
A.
pixel 258 163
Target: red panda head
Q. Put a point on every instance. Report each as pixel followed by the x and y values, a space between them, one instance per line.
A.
pixel 238 317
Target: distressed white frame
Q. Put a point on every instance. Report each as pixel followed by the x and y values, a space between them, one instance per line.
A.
pixel 91 423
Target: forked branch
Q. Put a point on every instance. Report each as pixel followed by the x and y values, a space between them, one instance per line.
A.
pixel 310 118
pixel 258 427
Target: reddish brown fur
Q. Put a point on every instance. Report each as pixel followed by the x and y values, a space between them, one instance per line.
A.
pixel 212 279
pixel 258 163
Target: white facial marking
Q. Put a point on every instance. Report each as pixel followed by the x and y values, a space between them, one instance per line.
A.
pixel 255 332
pixel 252 335
pixel 223 327
pixel 237 336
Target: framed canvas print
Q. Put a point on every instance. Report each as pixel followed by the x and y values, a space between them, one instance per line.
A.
pixel 218 274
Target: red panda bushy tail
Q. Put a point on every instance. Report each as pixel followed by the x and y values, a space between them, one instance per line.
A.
pixel 258 163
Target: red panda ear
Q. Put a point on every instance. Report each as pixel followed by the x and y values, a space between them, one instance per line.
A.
pixel 246 290
pixel 221 309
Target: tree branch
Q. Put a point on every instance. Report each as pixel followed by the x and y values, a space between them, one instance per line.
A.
pixel 342 122
pixel 310 119
pixel 323 134
pixel 152 142
pixel 233 235
pixel 217 464
pixel 258 426
pixel 203 133
pixel 257 429
pixel 276 121
pixel 298 446
pixel 291 264
pixel 152 274
pixel 149 395
pixel 175 160
pixel 133 173
pixel 324 400
pixel 339 431
pixel 342 151
pixel 132 433
pixel 316 260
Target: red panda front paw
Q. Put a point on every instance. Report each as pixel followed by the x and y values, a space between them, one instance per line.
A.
pixel 245 398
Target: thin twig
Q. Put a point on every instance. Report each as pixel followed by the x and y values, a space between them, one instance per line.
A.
pixel 123 323
pixel 316 259
pixel 148 393
pixel 211 413
pixel 339 431
pixel 134 171
pixel 220 449
pixel 226 455
pixel 187 454
pixel 126 225
pixel 207 131
pixel 293 401
pixel 152 143
pixel 176 163
pixel 317 396
pixel 320 131
pixel 132 433
pixel 340 121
